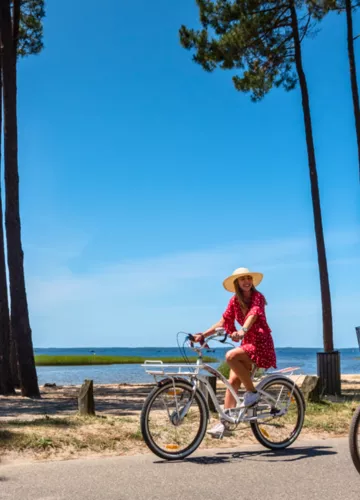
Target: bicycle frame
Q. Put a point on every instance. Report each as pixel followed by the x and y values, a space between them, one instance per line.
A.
pixel 191 373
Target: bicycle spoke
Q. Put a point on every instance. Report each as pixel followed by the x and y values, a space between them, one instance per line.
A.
pixel 281 428
pixel 168 431
pixel 280 418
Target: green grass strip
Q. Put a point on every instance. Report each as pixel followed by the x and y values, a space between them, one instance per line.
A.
pixel 44 360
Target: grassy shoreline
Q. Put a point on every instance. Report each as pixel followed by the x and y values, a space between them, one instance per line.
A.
pixel 45 360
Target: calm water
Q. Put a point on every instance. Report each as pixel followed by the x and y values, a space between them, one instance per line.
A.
pixel 305 358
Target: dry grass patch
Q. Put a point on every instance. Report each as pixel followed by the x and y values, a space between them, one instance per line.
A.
pixel 331 417
pixel 75 436
pixel 52 437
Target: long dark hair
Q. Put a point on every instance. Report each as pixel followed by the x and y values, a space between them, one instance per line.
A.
pixel 240 296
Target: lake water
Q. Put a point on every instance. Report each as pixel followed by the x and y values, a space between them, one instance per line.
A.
pixel 305 358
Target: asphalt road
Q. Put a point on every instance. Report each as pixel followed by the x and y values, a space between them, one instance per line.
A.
pixel 309 470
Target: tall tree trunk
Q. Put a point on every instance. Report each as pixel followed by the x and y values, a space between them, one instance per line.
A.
pixel 14 364
pixel 353 78
pixel 315 195
pixel 20 323
pixel 6 382
pixel 16 13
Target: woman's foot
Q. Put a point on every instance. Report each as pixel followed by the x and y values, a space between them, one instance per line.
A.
pixel 217 431
pixel 251 398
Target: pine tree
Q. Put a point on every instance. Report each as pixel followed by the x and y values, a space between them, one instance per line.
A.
pixel 21 35
pixel 260 41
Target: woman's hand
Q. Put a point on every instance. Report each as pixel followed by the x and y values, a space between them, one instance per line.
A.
pixel 198 337
pixel 237 336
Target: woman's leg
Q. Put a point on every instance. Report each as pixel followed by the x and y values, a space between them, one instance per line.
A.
pixel 235 383
pixel 240 363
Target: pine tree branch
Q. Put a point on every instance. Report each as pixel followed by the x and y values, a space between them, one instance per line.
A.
pixel 340 9
pixel 276 25
pixel 264 11
pixel 305 29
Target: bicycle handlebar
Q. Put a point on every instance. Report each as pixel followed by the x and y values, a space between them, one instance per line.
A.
pixel 220 332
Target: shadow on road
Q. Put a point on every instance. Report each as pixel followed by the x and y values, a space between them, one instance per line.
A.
pixel 287 455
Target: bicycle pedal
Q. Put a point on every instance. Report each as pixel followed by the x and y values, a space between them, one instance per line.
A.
pixel 275 411
pixel 216 436
pixel 226 433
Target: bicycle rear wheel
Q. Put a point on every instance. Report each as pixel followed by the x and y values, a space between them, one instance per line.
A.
pixel 354 439
pixel 167 432
pixel 279 430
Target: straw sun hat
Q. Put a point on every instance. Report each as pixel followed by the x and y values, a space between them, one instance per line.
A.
pixel 241 271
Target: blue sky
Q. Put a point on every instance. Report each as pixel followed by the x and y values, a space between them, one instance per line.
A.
pixel 145 181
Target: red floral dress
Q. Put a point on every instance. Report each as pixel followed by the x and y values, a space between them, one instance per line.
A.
pixel 257 342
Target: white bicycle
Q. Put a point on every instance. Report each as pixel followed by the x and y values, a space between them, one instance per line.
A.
pixel 175 414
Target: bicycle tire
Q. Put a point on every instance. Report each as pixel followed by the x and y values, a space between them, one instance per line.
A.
pixel 297 394
pixel 144 420
pixel 354 439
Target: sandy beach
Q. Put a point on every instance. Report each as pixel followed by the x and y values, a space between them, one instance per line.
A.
pixel 49 428
pixel 113 399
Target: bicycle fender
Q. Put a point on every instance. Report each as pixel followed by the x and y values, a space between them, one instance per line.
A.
pixel 164 381
pixel 270 378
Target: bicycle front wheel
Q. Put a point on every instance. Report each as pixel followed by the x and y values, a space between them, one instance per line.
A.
pixel 174 420
pixel 354 439
pixel 279 420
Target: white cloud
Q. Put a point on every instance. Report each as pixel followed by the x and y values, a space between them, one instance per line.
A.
pixel 152 298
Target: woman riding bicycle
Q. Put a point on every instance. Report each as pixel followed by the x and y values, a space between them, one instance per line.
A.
pixel 247 307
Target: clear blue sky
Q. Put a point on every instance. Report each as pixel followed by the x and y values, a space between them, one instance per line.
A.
pixel 145 181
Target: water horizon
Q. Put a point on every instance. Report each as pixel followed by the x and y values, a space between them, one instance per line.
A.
pixel 176 347
pixel 304 358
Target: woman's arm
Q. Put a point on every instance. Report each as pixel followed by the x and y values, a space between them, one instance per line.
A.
pixel 226 322
pixel 209 331
pixel 248 323
pixel 250 320
pixel 256 310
